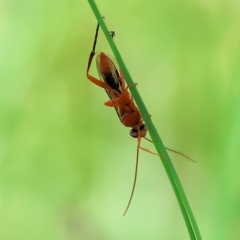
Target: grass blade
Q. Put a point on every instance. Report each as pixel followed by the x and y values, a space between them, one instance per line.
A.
pixel 172 175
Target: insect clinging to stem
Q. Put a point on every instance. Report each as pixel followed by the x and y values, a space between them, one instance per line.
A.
pixel 112 80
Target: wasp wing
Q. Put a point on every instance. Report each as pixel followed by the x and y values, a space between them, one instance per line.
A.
pixel 109 74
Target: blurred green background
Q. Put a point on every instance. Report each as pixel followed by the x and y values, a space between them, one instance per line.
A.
pixel 66 161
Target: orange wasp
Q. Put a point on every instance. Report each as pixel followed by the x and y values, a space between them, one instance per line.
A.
pixel 112 80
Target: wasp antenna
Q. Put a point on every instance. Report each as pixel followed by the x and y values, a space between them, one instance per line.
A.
pixel 135 175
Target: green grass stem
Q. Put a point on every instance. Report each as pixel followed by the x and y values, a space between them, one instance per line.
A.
pixel 172 175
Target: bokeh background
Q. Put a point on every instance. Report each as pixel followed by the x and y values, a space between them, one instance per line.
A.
pixel 66 161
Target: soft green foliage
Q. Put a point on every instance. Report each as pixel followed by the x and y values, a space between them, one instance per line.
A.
pixel 66 162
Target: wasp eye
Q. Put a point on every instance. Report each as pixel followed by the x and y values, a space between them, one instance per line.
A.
pixel 133 133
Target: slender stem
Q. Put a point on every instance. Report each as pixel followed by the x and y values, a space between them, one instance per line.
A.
pixel 172 175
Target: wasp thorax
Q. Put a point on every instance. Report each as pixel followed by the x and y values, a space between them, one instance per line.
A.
pixel 142 130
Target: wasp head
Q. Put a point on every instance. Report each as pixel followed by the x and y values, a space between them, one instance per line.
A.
pixel 142 130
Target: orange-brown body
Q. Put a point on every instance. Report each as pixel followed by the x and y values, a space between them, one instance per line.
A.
pixel 112 80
